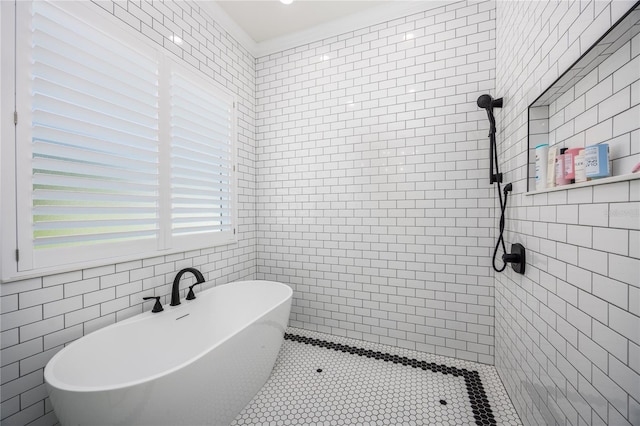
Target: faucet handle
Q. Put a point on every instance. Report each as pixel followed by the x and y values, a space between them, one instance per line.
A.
pixel 158 306
pixel 191 295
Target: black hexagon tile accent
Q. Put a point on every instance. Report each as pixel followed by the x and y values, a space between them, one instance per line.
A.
pixel 363 383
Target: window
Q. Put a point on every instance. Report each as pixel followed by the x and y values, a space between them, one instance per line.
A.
pixel 120 152
pixel 201 166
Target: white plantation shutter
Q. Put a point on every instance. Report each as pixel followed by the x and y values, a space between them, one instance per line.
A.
pixel 121 153
pixel 201 158
pixel 89 129
pixel 94 135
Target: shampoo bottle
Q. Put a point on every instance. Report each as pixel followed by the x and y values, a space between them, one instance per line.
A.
pixel 542 154
pixel 569 164
pixel 580 172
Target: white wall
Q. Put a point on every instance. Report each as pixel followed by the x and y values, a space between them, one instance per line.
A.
pixel 568 332
pixel 40 315
pixel 373 195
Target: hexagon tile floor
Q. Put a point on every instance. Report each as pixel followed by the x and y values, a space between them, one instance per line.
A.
pixel 321 379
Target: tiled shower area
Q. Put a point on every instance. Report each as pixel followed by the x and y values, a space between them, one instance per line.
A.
pixel 362 164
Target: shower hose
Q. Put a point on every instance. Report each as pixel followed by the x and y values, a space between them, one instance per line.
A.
pixel 503 206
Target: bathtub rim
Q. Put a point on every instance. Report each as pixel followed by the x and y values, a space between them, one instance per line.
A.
pixel 58 384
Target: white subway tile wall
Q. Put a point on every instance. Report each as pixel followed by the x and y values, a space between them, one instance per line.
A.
pixel 41 315
pixel 373 195
pixel 567 332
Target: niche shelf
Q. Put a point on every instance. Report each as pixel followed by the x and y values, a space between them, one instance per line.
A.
pixel 601 181
pixel 580 108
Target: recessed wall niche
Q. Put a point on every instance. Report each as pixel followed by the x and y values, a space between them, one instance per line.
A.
pixel 596 100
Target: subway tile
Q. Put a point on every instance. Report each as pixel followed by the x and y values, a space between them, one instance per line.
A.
pixel 593 397
pixel 624 215
pixel 610 290
pixel 9 303
pixel 594 214
pixel 41 328
pixel 37 361
pixel 22 317
pixel 567 214
pixel 634 300
pixel 615 192
pixel 615 394
pixel 22 384
pixel 611 240
pixel 599 92
pixel 34 395
pixel 626 121
pixel 62 306
pixel 16 287
pixel 625 323
pixel 80 287
pixel 580 235
pixel 97 272
pixel 99 296
pixel 615 61
pixel 9 338
pixel 634 357
pixel 611 341
pixel 21 351
pixel 593 260
pixel 10 406
pixel 625 269
pixel 112 280
pixel 40 297
pixel 56 280
pixel 594 306
pixel 62 337
pixel 614 105
pixel 634 244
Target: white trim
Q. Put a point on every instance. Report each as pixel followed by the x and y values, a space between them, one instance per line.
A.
pixel 347 24
pixel 7 133
pixel 375 15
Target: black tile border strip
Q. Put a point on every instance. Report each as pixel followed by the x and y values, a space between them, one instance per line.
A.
pixel 477 396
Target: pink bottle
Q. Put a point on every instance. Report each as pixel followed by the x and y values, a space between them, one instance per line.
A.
pixel 560 168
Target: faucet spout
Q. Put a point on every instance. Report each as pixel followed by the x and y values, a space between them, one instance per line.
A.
pixel 175 290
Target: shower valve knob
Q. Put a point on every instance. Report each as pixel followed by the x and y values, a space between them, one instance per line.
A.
pixel 516 258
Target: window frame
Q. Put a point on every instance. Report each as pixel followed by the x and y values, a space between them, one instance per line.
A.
pixel 14 180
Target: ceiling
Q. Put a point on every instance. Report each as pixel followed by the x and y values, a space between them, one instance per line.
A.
pixel 269 19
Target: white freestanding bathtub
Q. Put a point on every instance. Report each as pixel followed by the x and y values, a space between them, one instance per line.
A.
pixel 198 363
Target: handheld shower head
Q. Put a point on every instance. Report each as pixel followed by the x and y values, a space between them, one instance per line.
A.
pixel 487 102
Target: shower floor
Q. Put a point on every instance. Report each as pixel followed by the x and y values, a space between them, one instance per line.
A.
pixel 321 379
